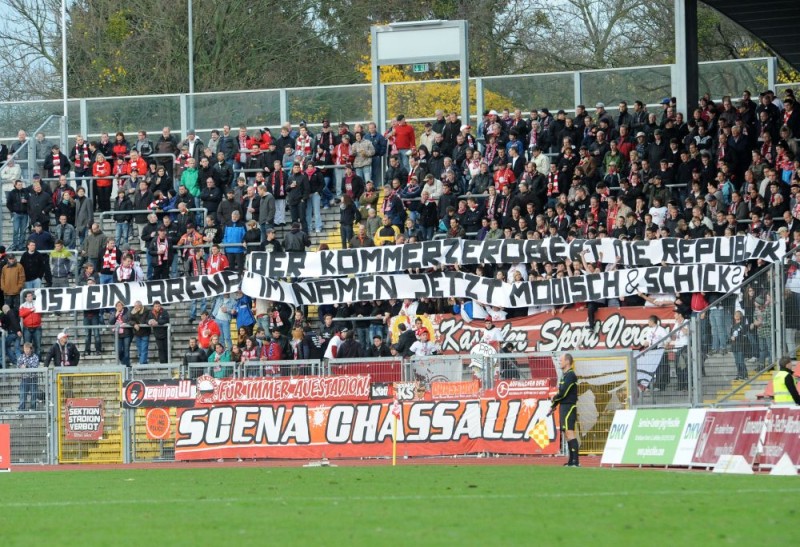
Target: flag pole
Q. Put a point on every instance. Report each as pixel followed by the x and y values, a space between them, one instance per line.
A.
pixel 395 409
pixel 394 441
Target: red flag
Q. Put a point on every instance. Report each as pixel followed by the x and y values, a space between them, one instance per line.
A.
pixel 396 409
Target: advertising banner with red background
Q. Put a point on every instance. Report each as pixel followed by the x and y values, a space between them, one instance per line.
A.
pixel 730 432
pixel 619 328
pixel 340 429
pixel 782 435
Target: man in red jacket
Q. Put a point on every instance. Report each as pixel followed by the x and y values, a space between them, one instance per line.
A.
pixel 405 139
pixel 31 323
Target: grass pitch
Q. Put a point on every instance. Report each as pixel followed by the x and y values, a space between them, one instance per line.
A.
pixel 407 505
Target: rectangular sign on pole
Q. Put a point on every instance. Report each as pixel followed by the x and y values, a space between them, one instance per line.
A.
pixel 84 419
pixel 5 447
pixel 420 67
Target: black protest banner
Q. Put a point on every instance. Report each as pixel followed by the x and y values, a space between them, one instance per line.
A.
pixel 552 292
pixel 447 252
pixel 166 291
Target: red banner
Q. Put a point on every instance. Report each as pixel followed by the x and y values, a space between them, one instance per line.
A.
pixel 455 390
pixel 302 388
pixel 83 419
pixel 733 432
pixel 782 435
pixel 540 388
pixel 5 447
pixel 361 429
pixel 619 328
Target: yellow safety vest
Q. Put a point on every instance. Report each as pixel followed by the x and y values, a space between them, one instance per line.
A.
pixel 780 391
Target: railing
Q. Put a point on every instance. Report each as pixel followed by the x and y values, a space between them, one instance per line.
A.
pixel 353 103
pixel 202 210
pixel 716 368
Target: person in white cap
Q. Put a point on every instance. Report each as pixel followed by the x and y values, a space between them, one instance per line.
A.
pixel 63 353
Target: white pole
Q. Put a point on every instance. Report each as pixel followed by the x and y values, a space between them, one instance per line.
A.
pixel 65 131
pixel 191 66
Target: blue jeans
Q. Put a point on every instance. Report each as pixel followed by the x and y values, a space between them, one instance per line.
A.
pixel 377 330
pixel 347 234
pixel 313 210
pixel 363 337
pixel 20 223
pixel 327 194
pixel 33 336
pixel 193 307
pixel 106 279
pixel 173 268
pixel 142 348
pixel 33 284
pixel 377 171
pixel 339 176
pixel 365 173
pixel 28 387
pixel 427 233
pixel 98 342
pixel 224 333
pixel 741 368
pixel 149 266
pixel 123 233
pixel 719 334
pixel 404 158
pixel 12 348
pixel 124 350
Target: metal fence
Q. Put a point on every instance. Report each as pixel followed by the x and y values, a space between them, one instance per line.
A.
pixel 353 103
pixel 724 353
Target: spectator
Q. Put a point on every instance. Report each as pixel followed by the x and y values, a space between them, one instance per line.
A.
pixel 29 384
pixel 296 240
pixel 349 348
pixel 222 313
pixel 194 354
pixel 233 239
pixel 138 320
pixel 92 318
pixel 10 325
pixel 121 321
pixel 12 281
pixel 17 204
pixel 110 261
pixel 94 245
pixel 65 232
pixel 36 266
pixel 386 234
pixel 158 320
pixel 244 313
pixel 40 203
pixel 378 349
pixel 60 265
pixel 31 323
pixel 217 357
pixel 161 252
pixel 63 353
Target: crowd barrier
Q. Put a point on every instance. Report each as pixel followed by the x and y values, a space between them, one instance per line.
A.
pixel 450 405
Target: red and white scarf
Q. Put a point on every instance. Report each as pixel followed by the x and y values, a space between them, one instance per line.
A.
pixel 56 165
pixel 110 260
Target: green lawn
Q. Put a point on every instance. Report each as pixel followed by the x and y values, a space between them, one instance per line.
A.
pixel 407 505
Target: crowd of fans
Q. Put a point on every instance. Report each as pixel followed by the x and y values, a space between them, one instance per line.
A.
pixel 184 204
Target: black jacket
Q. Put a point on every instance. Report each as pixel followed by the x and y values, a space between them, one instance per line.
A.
pixel 14 201
pixel 39 207
pixel 36 266
pixel 54 355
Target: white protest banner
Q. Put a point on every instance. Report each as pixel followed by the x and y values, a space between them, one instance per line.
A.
pixel 552 292
pixel 166 291
pixel 433 254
